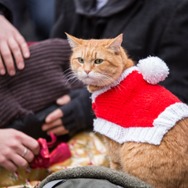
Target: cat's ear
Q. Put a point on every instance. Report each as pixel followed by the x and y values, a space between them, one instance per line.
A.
pixel 73 41
pixel 116 43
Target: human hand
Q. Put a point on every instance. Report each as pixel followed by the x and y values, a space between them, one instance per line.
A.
pixel 12 46
pixel 74 114
pixel 17 149
pixel 53 122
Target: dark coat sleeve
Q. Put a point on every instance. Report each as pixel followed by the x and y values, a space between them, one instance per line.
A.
pixel 6 8
pixel 10 8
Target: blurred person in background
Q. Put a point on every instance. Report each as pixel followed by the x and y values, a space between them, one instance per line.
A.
pixel 150 28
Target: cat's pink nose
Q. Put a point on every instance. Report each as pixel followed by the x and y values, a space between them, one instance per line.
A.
pixel 87 71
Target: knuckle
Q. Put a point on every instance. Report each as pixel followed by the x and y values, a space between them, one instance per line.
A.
pixel 15 48
pixel 6 54
pixel 2 160
pixel 6 153
pixel 17 136
pixel 14 145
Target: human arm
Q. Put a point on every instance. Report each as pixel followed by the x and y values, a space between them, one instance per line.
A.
pixel 17 149
pixel 74 114
pixel 12 46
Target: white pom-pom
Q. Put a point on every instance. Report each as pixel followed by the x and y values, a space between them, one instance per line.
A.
pixel 153 69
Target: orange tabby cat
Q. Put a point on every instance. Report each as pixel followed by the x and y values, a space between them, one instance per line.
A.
pixel 145 127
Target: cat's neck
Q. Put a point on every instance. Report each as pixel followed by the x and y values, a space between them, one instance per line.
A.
pixel 93 88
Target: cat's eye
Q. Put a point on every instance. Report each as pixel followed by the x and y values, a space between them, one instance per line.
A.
pixel 81 60
pixel 98 61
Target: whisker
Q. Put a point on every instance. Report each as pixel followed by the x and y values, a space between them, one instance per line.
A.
pixel 105 81
pixel 67 70
pixel 71 78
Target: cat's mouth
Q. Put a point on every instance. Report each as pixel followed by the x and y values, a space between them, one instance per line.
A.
pixel 93 79
pixel 88 80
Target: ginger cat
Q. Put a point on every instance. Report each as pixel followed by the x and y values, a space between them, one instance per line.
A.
pixel 145 126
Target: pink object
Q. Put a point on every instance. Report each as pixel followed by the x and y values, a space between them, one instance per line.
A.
pixel 60 154
pixel 42 160
pixel 31 43
pixel 45 159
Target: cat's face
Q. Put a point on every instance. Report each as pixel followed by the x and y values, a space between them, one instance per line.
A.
pixel 97 63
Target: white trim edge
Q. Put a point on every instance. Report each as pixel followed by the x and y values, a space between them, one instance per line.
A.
pixel 153 135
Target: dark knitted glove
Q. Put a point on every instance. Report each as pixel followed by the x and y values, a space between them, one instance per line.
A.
pixel 31 124
pixel 78 115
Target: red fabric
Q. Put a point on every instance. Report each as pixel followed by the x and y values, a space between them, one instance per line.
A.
pixel 133 103
pixel 29 43
pixel 42 160
pixel 60 154
pixel 46 159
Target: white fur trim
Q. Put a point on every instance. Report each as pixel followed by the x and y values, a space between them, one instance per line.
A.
pixel 152 135
pixel 122 77
pixel 153 69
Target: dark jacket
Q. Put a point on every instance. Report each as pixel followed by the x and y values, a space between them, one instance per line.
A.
pixel 12 10
pixel 150 27
pixel 7 9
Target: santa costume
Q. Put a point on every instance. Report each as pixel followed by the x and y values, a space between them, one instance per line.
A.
pixel 135 108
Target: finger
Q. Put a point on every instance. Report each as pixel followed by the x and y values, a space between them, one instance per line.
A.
pixel 56 114
pixel 30 143
pixel 26 154
pixel 29 156
pixel 63 100
pixel 2 68
pixel 7 57
pixel 59 130
pixel 19 161
pixel 51 125
pixel 16 51
pixel 23 45
pixel 9 165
